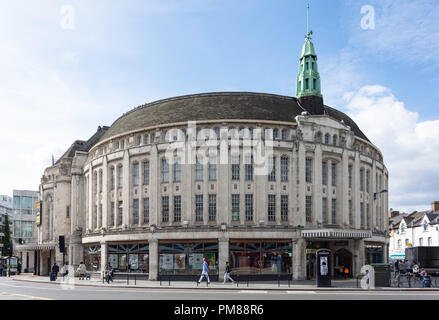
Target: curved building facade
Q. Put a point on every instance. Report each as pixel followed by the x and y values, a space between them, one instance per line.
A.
pixel 259 180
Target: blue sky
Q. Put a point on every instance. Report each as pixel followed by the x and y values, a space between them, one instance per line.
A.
pixel 59 84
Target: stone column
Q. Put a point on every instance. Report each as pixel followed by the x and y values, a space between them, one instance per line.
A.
pixel 105 215
pixel 223 197
pixel 126 188
pixel 153 259
pixel 301 220
pixel 358 256
pixel 223 253
pixel 104 251
pixel 317 184
pixel 344 187
pixel 356 192
pixel 154 186
pixel 299 259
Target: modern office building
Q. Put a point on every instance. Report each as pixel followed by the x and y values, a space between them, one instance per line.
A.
pixel 260 180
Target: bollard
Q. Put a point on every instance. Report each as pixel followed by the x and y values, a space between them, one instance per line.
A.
pixel 135 280
pixel 409 280
pixel 128 279
pixel 169 279
pixel 278 280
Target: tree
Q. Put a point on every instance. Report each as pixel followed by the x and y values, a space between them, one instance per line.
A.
pixel 7 238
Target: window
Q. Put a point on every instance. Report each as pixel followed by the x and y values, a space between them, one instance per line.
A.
pixel 308 172
pixel 334 174
pixel 284 134
pixel 212 207
pixel 425 226
pixel 367 180
pixel 271 207
pixel 406 242
pixel 327 138
pixel 367 216
pixel 198 170
pixel 334 210
pixel 308 208
pixel 67 211
pixel 362 214
pixel 324 173
pixel 314 81
pixel 361 179
pixel 119 176
pixel 135 211
pixel 334 140
pixel 165 170
pixel 284 207
pixel 138 140
pixel 275 133
pixel 249 168
pixel 95 182
pixel 177 208
pixel 307 80
pixel 100 181
pixel 235 167
pixel 399 244
pixel 272 169
pixel 248 207
pixel 177 170
pixel 351 217
pixel 112 177
pixel 120 213
pixel 146 139
pixel 217 133
pixel 350 175
pixel 421 242
pixel 235 207
pixel 112 213
pixel 429 241
pixel 212 171
pixel 146 172
pixel 135 174
pixel 324 210
pixel 165 209
pixel 145 210
pixel 199 207
pixel 284 168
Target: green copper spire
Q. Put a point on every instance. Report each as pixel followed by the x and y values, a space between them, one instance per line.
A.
pixel 308 79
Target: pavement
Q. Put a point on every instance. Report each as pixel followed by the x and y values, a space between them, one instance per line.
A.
pixel 340 285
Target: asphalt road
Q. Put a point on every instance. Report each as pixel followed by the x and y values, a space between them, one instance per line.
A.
pixel 20 290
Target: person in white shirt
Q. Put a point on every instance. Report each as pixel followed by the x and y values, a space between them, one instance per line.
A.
pixel 415 269
pixel 205 272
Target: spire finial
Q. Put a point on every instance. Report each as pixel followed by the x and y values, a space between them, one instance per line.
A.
pixel 308 32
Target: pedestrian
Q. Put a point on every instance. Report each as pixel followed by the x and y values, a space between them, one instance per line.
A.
pixel 227 273
pixel 81 270
pixel 55 270
pixel 401 267
pixel 408 266
pixel 346 272
pixel 396 267
pixel 108 273
pixel 415 269
pixel 205 272
pixel 65 269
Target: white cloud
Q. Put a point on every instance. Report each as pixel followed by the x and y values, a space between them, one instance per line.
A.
pixel 410 147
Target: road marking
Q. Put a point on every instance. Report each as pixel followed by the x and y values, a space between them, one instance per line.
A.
pixel 252 291
pixel 300 292
pixel 25 296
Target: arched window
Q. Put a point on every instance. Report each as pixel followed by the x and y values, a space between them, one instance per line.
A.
pixel 135 173
pixel 327 138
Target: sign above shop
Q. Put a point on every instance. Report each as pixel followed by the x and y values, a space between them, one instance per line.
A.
pixel 336 234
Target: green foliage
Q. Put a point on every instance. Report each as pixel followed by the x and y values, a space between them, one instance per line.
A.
pixel 7 237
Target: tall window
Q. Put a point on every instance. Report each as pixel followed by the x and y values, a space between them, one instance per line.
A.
pixel 120 213
pixel 271 207
pixel 248 207
pixel 275 133
pixel 327 138
pixel 177 170
pixel 367 180
pixel 100 180
pixel 249 168
pixel 198 170
pixel 284 134
pixel 145 210
pixel 361 179
pixel 177 208
pixel 308 208
pixel 199 207
pixel 135 174
pixel 165 209
pixel 308 172
pixel 362 214
pixel 112 177
pixel 334 140
pixel 350 175
pixel 324 173
pixel 351 217
pixel 367 216
pixel 334 211
pixel 333 174
pixel 165 170
pixel 146 172
pixel 112 213
pixel 235 167
pixel 235 207
pixel 119 176
pixel 212 171
pixel 421 242
pixel 324 210
pixel 212 207
pixel 284 207
pixel 135 211
pixel 284 168
pixel 272 169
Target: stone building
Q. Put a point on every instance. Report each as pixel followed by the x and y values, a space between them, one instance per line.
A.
pixel 260 180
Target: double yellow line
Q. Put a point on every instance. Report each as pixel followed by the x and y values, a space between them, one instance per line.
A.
pixel 25 296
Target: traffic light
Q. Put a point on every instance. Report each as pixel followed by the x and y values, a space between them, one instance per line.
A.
pixel 61 244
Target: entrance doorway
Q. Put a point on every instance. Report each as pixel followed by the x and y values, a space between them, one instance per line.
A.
pixel 310 266
pixel 343 263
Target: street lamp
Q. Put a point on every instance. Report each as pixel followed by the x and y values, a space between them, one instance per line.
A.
pixel 376 193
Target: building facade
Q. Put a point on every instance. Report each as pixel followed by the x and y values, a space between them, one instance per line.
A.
pixel 259 180
pixel 417 229
pixel 5 210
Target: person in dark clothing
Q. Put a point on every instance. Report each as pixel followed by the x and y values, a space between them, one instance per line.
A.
pixel 227 273
pixel 55 269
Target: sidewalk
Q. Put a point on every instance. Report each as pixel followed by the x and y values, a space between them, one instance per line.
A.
pixel 337 285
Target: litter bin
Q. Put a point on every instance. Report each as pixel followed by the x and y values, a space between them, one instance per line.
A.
pixel 382 274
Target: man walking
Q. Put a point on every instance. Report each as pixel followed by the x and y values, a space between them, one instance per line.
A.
pixel 205 271
pixel 227 273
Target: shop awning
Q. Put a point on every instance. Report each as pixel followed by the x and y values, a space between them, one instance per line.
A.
pixel 336 234
pixel 35 247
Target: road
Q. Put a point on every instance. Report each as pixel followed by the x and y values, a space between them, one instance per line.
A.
pixel 21 290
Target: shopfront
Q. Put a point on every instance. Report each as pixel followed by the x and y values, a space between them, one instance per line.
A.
pixel 129 257
pixel 263 257
pixel 92 258
pixel 184 260
pixel 374 253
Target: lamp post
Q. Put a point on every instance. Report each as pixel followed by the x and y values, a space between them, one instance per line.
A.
pixel 376 193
